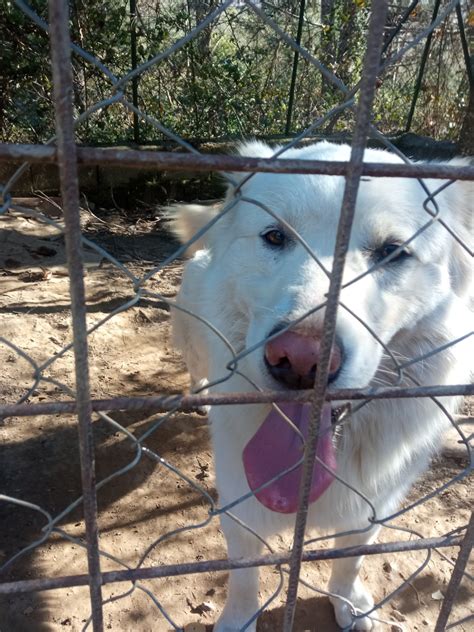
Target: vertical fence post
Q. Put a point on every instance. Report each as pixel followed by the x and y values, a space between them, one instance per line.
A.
pixel 289 114
pixel 359 143
pixel 456 577
pixel 133 54
pixel 67 161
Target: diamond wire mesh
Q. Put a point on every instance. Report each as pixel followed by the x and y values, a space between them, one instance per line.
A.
pixel 363 129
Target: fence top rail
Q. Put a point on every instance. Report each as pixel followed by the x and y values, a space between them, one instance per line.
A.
pixel 190 402
pixel 178 161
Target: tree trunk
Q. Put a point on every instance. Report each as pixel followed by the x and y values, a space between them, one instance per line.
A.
pixel 466 136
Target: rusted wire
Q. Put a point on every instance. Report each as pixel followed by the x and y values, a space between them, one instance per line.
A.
pixel 67 156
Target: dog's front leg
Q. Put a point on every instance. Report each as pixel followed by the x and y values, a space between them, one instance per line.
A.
pixel 345 581
pixel 242 593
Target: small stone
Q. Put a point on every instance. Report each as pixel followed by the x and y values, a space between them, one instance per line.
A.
pixel 201 609
pixel 396 628
pixel 390 567
pixel 398 616
pixel 437 596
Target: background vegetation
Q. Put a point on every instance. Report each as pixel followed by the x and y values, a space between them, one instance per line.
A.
pixel 234 79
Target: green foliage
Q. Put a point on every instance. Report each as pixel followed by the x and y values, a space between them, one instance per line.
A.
pixel 25 80
pixel 233 80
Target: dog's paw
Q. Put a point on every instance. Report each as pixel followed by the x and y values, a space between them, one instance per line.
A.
pixel 222 626
pixel 229 623
pixel 360 601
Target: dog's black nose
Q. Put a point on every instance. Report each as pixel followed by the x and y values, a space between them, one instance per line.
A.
pixel 283 372
pixel 292 358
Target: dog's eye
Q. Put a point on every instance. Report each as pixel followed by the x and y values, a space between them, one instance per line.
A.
pixel 274 237
pixel 389 249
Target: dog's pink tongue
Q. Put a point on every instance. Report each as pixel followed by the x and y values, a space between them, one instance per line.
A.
pixel 276 447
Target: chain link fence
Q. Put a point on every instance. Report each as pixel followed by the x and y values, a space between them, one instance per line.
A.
pixel 357 101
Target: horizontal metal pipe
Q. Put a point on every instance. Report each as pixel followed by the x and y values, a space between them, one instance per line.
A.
pixel 173 161
pixel 189 402
pixel 172 570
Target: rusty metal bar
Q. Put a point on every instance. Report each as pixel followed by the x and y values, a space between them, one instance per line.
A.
pixel 354 174
pixel 171 161
pixel 157 403
pixel 173 570
pixel 66 148
pixel 456 577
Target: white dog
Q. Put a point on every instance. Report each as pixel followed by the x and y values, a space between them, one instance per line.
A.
pixel 251 277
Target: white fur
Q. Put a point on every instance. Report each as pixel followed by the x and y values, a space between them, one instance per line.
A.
pixel 244 288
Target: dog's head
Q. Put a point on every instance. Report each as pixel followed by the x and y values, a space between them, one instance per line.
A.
pixel 271 255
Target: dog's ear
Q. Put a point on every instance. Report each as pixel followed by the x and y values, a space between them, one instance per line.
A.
pixel 460 196
pixel 256 149
pixel 250 149
pixel 460 268
pixel 185 220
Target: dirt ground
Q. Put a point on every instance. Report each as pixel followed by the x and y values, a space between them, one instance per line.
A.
pixel 131 354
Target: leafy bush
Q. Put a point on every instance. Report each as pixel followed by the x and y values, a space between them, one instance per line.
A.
pixel 233 80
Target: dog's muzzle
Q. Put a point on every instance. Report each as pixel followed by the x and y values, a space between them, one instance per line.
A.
pixel 292 359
